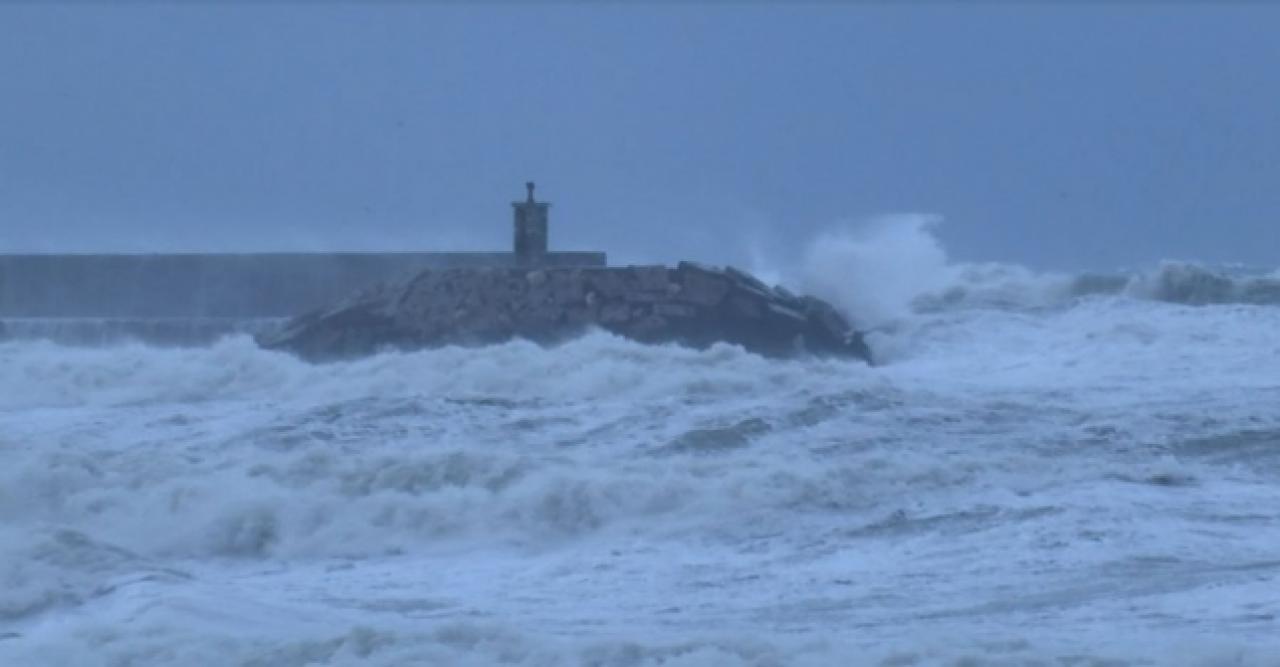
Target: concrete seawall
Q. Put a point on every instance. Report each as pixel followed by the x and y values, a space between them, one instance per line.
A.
pixel 232 286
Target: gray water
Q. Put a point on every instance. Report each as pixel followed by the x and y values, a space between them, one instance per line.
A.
pixel 1026 477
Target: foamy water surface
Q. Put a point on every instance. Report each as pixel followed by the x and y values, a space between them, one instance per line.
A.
pixel 1058 481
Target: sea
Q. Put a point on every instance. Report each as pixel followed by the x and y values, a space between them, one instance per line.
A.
pixel 1038 468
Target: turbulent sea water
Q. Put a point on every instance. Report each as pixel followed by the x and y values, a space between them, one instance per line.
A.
pixel 1039 470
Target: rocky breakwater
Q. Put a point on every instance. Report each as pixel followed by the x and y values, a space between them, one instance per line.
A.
pixel 690 304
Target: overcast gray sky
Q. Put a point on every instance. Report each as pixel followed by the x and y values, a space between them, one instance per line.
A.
pixel 1093 136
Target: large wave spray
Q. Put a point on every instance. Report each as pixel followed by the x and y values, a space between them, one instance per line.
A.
pixel 616 504
pixel 874 272
pixel 887 269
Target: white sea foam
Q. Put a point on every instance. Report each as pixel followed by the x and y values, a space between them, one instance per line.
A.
pixel 1035 474
pixel 885 270
pixel 875 270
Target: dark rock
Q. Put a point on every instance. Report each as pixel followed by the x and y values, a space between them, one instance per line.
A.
pixel 667 309
pixel 700 285
pixel 691 305
pixel 746 306
pixel 746 280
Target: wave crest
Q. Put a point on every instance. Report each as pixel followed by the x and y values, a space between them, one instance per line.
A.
pixel 892 268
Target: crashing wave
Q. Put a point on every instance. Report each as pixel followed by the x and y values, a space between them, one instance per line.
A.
pixel 1196 284
pixel 166 331
pixel 891 268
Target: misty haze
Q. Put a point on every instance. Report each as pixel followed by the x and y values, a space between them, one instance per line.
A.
pixel 724 334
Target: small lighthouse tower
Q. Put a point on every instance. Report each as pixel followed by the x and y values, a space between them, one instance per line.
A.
pixel 530 229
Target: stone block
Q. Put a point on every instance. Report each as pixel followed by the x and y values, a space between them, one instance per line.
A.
pixel 651 278
pixel 647 297
pixel 577 318
pixel 744 278
pixel 700 286
pixel 608 283
pixel 787 313
pixel 613 313
pixel 566 293
pixel 668 309
pixel 649 327
pixel 746 306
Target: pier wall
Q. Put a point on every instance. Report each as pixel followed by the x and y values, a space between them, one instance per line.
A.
pixel 236 286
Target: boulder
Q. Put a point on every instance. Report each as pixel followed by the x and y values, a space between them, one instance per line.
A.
pixel 691 304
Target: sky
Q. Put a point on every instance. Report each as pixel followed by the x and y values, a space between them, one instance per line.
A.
pixel 1097 136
